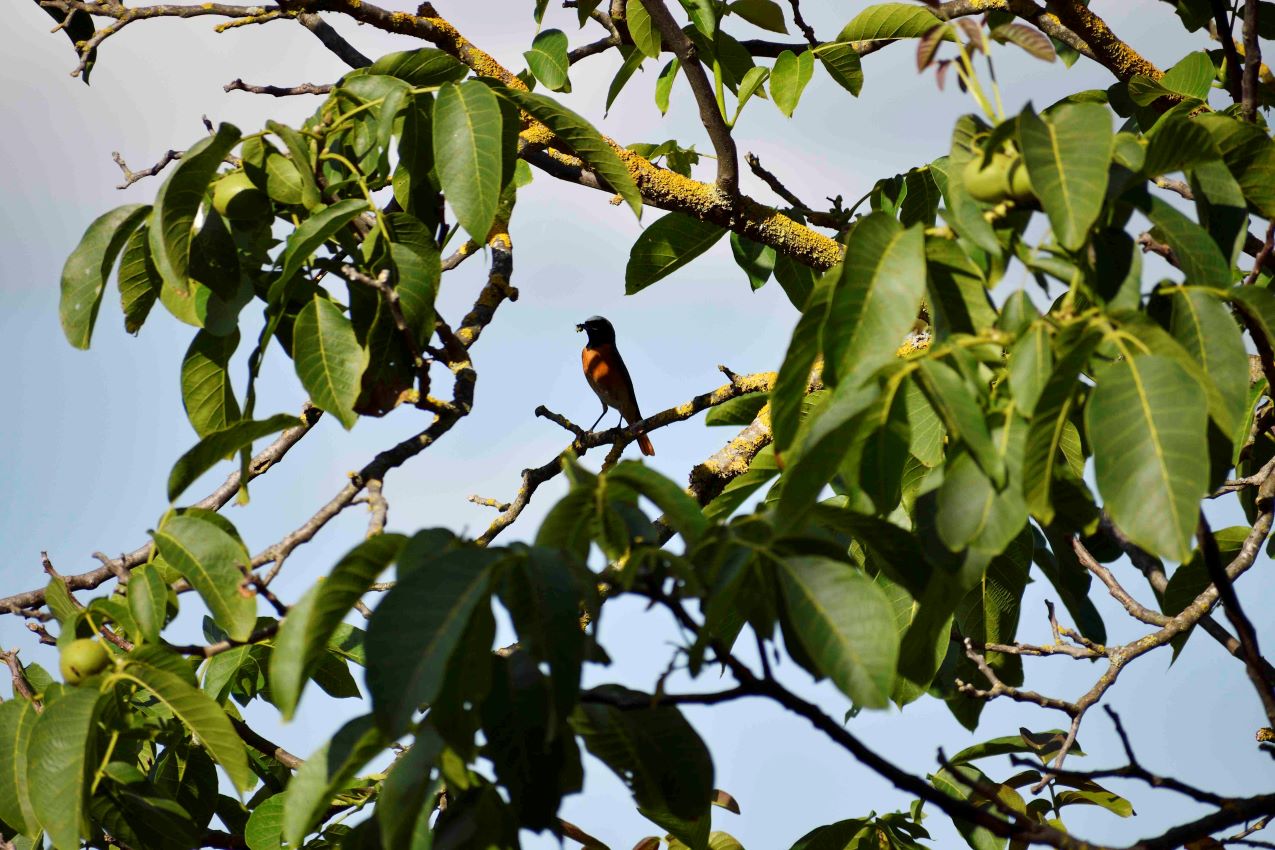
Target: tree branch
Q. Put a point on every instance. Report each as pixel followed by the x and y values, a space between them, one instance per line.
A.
pixel 1252 59
pixel 259 465
pixel 710 113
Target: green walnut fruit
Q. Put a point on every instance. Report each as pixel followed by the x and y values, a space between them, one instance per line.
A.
pixel 988 183
pixel 238 199
pixel 82 658
pixel 1020 182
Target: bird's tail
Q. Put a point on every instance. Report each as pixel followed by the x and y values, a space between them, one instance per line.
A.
pixel 644 443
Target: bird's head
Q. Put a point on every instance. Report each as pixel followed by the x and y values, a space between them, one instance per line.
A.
pixel 598 329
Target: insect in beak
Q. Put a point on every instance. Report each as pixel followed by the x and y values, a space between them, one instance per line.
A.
pixel 579 328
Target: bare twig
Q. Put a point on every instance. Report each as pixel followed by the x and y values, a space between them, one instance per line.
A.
pixel 259 465
pixel 277 91
pixel 1263 254
pixel 1135 608
pixel 806 30
pixel 131 177
pixel 21 687
pixel 1262 683
pixel 1234 67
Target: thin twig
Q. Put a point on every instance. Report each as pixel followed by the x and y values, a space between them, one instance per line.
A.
pixel 806 30
pixel 277 91
pixel 1234 67
pixel 1264 685
pixel 131 177
pixel 1262 255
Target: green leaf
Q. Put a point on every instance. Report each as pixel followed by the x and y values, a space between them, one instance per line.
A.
pixel 845 624
pixel 1031 361
pixel 738 411
pixel 308 237
pixel 1093 794
pixel 656 753
pixel 789 78
pixel 328 358
pixel 265 825
pixel 207 394
pixel 418 627
pixel 973 513
pixel 1048 421
pixel 213 562
pixel 1175 144
pixel 219 445
pixel 703 14
pixel 633 59
pixel 60 755
pixel 148 601
pixel 582 138
pixel 299 152
pixel 761 470
pixel 791 384
pixel 888 21
pixel 760 13
pixel 1205 327
pixel 1044 744
pixel 1067 154
pixel 542 593
pixel 989 612
pixel 669 243
pixel 796 279
pixel 1191 77
pixel 311 622
pixel 139 281
pixel 426 66
pixel 1220 203
pixel 1249 153
pixel 876 301
pixel 468 153
pixel 977 837
pixel 547 59
pixel 664 83
pixel 58 597
pixel 963 417
pixel 324 774
pixel 177 202
pixel 1196 252
pixel 680 510
pixel 200 714
pixel 406 795
pixel 757 260
pixel 1146 422
pixel 842 63
pixel 748 86
pixel 642 29
pixel 17 719
pixel 86 270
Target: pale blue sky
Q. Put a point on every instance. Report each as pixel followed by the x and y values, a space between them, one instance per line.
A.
pixel 91 436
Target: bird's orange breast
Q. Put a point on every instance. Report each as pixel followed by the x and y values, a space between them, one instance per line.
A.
pixel 602 374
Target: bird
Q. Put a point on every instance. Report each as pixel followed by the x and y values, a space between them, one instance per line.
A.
pixel 605 371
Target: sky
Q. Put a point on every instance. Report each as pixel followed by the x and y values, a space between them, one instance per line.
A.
pixel 86 448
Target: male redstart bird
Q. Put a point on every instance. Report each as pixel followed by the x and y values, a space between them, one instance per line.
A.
pixel 605 371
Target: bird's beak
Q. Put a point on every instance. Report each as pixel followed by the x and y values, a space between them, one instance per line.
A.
pixel 579 328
